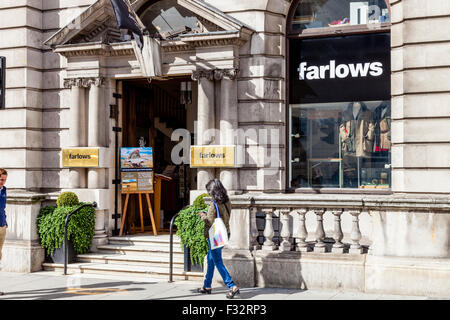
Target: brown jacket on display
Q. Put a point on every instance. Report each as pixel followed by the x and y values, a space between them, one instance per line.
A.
pixel 208 218
pixel 357 135
pixel 382 117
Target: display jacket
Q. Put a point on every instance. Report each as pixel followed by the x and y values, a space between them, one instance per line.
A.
pixel 382 128
pixel 357 135
pixel 208 218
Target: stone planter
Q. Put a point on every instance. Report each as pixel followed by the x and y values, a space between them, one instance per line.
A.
pixel 188 266
pixel 58 254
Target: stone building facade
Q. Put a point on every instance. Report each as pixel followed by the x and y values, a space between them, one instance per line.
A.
pixel 66 59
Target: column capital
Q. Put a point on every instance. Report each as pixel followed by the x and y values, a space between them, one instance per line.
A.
pixel 231 73
pixel 98 82
pixel 198 74
pixel 215 74
pixel 83 82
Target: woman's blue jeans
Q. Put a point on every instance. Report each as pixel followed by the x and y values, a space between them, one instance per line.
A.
pixel 214 258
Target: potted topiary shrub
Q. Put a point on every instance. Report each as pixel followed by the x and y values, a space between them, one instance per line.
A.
pixel 80 229
pixel 190 230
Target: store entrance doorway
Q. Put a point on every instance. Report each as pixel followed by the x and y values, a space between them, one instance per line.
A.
pixel 151 113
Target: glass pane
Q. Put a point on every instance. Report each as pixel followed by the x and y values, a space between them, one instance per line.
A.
pixel 167 17
pixel 341 145
pixel 334 13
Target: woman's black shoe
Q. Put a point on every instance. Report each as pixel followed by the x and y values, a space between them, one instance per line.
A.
pixel 204 291
pixel 232 293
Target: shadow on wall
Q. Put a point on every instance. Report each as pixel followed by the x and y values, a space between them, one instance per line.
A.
pixel 280 269
pixel 277 268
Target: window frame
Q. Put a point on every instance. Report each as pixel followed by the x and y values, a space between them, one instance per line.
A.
pixel 146 5
pixel 322 33
pixel 333 31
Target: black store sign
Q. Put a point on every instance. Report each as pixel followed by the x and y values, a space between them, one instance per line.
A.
pixel 340 69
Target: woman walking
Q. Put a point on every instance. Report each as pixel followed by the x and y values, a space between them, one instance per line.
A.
pixel 219 196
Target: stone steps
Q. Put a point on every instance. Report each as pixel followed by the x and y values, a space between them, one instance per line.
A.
pixel 160 260
pixel 138 256
pixel 135 250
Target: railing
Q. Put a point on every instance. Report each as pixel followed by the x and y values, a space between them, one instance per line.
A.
pixel 171 248
pixel 283 239
pixel 66 253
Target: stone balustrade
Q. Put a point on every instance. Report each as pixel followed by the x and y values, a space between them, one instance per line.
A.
pixel 285 229
pixel 351 224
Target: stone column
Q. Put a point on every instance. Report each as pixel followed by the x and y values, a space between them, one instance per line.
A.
pixel 96 176
pixel 77 127
pixel 96 139
pixel 96 112
pixel 228 122
pixel 206 119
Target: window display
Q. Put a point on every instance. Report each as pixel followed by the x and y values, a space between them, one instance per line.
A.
pixel 341 145
pixel 311 14
pixel 340 112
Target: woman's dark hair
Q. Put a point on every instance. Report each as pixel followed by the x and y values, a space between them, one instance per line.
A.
pixel 217 191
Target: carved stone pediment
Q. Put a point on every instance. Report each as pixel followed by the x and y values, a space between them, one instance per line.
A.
pixel 99 31
pixel 97 24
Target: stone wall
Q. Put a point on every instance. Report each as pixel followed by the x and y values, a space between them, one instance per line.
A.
pixel 31 125
pixel 420 96
pixel 34 120
pixel 261 90
pixel 22 251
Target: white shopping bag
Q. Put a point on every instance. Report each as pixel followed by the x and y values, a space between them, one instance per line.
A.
pixel 218 234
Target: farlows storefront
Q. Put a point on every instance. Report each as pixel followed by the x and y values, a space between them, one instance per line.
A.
pixel 340 112
pixel 308 111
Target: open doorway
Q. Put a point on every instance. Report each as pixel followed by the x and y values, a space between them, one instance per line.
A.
pixel 151 112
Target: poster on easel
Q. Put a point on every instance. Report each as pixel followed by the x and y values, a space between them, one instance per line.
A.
pixel 139 181
pixel 136 159
pixel 136 166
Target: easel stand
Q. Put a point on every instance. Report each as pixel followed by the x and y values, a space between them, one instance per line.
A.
pixel 139 193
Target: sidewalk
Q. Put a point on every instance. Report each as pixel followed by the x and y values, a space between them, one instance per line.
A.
pixel 53 286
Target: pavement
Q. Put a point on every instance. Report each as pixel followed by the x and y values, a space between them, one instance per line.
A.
pixel 55 286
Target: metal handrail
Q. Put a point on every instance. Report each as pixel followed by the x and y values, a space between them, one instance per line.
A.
pixel 66 253
pixel 171 248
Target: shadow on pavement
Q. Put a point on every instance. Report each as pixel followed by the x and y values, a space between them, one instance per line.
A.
pixel 71 291
pixel 245 293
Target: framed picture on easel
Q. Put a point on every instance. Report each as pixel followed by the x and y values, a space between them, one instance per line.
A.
pixel 136 159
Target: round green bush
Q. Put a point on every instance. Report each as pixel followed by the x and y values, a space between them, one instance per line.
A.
pixel 67 199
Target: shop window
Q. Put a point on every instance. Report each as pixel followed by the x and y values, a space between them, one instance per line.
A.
pixel 340 112
pixel 341 145
pixel 168 19
pixel 314 15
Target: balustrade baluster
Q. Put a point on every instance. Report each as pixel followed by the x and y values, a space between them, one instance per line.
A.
pixel 320 232
pixel 285 230
pixel 301 244
pixel 269 231
pixel 338 246
pixel 355 236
